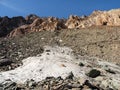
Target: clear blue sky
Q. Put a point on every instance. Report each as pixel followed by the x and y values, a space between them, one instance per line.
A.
pixel 57 8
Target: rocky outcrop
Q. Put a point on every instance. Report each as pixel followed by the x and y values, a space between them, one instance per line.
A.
pixel 109 18
pixel 33 23
pixel 49 24
pixel 30 18
pixel 97 18
pixel 18 25
pixel 8 24
pixel 75 22
pixel 22 30
pixel 39 24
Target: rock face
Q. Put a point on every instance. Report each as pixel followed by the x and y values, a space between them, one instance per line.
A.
pixel 73 21
pixel 8 24
pixel 50 23
pixel 19 31
pixel 39 24
pixel 97 18
pixel 30 18
pixel 110 18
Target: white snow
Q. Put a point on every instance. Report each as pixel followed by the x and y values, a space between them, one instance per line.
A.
pixel 57 62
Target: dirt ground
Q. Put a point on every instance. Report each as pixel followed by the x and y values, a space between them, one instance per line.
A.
pixel 101 42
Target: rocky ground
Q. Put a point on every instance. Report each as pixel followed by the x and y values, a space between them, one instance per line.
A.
pixel 90 62
pixel 101 42
pixel 58 68
pixel 52 83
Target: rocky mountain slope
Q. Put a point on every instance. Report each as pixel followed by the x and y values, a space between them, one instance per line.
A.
pixel 48 53
pixel 8 24
pixel 98 48
pixel 32 23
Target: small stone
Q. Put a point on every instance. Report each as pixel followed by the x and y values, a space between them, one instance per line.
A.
pixel 91 86
pixel 5 62
pixel 47 50
pixel 63 65
pixel 94 73
pixel 81 64
pixel 42 38
pixel 82 81
pixel 76 85
pixel 46 87
pixel 110 71
pixel 49 78
pixel 60 40
pixel 58 87
pixel 31 84
pixel 99 78
pixel 20 86
pixel 85 87
pixel 70 76
pixel 76 89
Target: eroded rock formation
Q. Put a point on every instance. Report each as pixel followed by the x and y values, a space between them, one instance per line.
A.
pixel 32 23
pixel 8 24
pixel 39 24
pixel 97 18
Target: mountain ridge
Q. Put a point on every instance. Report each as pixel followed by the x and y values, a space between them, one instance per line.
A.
pixel 16 26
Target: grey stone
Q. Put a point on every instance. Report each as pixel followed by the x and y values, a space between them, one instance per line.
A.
pixel 94 73
pixel 5 62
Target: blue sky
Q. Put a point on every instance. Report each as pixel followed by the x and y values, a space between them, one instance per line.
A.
pixel 57 8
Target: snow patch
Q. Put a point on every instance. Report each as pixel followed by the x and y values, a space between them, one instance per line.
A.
pixel 55 62
pixel 60 61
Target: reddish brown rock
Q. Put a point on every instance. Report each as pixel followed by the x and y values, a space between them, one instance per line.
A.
pixel 19 31
pixel 35 23
pixel 40 24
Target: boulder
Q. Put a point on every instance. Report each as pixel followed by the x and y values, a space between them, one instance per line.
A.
pixel 94 73
pixel 5 62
